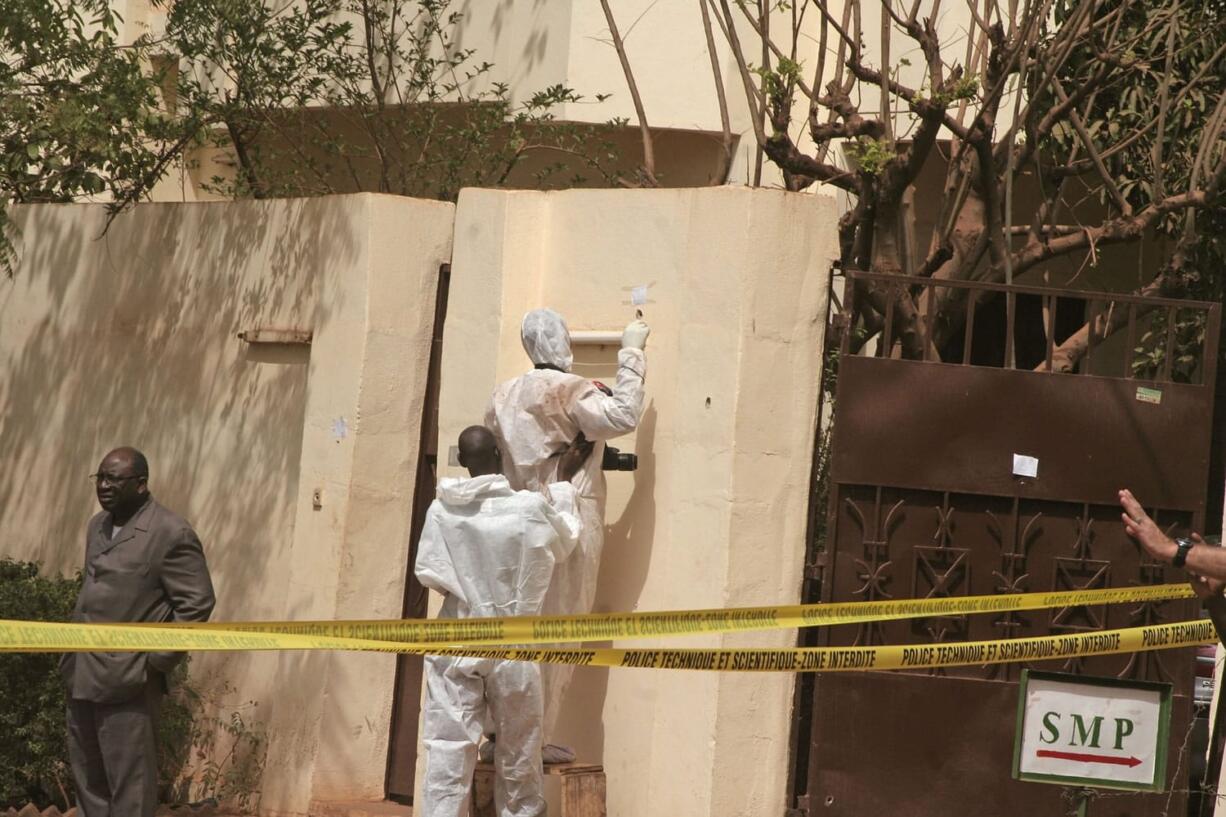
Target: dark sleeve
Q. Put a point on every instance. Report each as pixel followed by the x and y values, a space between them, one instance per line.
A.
pixel 185 578
pixel 186 583
pixel 1215 606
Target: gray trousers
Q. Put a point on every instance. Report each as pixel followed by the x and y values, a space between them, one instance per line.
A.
pixel 113 752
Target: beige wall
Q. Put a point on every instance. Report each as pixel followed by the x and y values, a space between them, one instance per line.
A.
pixel 130 339
pixel 548 42
pixel 533 46
pixel 350 559
pixel 715 515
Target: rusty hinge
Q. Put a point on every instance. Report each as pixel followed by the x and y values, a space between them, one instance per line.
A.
pixel 838 326
pixel 817 567
pixel 801 809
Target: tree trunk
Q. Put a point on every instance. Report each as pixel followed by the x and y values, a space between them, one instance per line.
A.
pixel 888 247
pixel 246 165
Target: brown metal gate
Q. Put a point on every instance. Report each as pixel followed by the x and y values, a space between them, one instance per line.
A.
pixel 924 503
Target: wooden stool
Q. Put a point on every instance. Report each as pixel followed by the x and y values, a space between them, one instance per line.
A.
pixel 583 789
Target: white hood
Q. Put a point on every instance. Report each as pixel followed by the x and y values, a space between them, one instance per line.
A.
pixel 453 491
pixel 546 339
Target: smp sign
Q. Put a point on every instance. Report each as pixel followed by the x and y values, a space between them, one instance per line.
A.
pixel 1100 732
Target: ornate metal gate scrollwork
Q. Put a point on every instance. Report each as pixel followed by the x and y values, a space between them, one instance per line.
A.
pixel 924 503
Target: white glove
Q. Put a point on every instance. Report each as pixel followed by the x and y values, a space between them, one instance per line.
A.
pixel 635 336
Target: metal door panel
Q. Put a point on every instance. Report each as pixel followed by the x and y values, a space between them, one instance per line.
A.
pixel 923 503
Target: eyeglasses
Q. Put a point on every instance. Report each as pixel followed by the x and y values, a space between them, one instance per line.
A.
pixel 111 479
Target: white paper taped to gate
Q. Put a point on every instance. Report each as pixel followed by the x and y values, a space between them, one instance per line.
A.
pixel 1024 466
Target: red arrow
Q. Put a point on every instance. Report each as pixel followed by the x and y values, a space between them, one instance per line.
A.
pixel 1084 758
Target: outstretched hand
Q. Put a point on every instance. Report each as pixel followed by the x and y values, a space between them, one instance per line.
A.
pixel 1205 587
pixel 635 335
pixel 1139 526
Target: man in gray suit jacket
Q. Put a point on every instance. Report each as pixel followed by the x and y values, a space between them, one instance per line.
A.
pixel 142 563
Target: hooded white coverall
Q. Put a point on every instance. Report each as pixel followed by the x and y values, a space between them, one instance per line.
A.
pixel 535 416
pixel 492 551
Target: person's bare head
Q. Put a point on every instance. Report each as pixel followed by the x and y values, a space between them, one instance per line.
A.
pixel 479 451
pixel 122 482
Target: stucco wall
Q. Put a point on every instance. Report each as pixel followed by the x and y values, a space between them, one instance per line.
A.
pixel 533 46
pixel 131 339
pixel 715 514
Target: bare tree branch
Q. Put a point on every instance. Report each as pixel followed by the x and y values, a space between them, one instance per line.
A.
pixel 1164 92
pixel 764 36
pixel 1018 47
pixel 1124 228
pixel 1087 142
pixel 721 97
pixel 783 151
pixel 903 171
pixel 649 157
pixel 1139 133
pixel 770 48
pixel 887 114
pixel 752 96
pixel 1072 350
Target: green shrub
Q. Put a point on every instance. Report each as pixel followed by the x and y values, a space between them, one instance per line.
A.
pixel 33 750
pixel 209 752
pixel 202 755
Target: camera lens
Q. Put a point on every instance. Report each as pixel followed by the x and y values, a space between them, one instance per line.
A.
pixel 615 460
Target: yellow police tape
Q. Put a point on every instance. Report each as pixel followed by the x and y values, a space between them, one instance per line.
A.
pixel 610 626
pixel 24 636
pixel 488 638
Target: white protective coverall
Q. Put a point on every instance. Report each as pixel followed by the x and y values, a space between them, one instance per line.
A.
pixel 534 417
pixel 492 551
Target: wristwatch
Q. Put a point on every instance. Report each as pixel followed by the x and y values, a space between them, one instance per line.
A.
pixel 1182 546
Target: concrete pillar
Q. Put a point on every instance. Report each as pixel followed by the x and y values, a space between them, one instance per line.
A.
pixel 715 515
pixel 369 359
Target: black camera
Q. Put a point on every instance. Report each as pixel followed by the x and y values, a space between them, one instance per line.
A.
pixel 615 460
